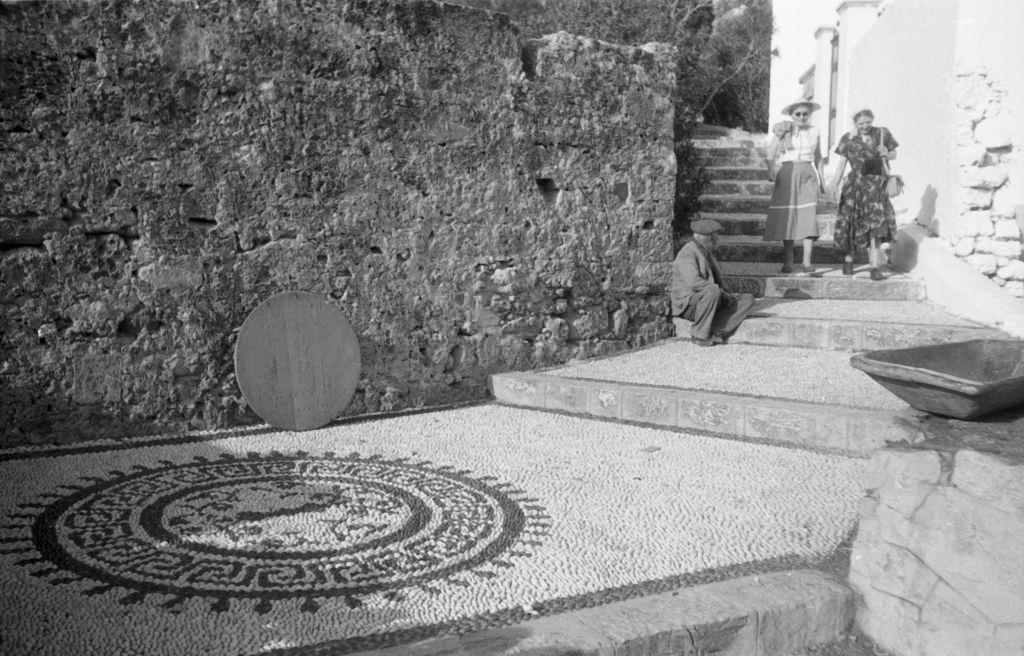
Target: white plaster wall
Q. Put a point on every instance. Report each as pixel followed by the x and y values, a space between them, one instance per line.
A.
pixel 903 69
pixel 795 23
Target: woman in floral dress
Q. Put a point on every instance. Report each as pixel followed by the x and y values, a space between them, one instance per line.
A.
pixel 866 217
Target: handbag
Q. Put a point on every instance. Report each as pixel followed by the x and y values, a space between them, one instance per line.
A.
pixel 893 182
pixel 893 185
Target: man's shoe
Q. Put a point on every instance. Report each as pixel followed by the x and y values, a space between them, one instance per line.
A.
pixel 703 342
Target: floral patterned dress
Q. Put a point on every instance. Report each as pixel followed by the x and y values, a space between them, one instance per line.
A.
pixel 864 208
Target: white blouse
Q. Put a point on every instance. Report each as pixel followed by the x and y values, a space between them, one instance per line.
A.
pixel 805 145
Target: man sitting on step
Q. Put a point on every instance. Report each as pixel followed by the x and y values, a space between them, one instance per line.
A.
pixel 697 293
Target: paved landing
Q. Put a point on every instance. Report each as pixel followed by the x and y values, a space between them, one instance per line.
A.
pixel 365 535
pixel 898 312
pixel 795 374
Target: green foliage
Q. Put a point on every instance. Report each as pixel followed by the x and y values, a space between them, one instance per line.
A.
pixel 724 46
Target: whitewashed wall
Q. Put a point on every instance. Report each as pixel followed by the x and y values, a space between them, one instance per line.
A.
pixel 903 69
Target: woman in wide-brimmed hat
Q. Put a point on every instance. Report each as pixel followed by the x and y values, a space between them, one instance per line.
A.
pixel 798 181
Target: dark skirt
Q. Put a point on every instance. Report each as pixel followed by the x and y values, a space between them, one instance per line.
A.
pixel 794 204
pixel 864 212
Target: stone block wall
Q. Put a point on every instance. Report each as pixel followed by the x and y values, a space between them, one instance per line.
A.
pixel 472 203
pixel 991 173
pixel 938 561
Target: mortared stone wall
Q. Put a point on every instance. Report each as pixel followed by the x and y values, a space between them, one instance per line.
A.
pixel 472 202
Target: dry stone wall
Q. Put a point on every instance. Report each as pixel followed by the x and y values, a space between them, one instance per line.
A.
pixel 937 562
pixel 991 172
pixel 472 203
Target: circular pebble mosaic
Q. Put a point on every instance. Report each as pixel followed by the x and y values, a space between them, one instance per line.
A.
pixel 276 526
pixel 365 535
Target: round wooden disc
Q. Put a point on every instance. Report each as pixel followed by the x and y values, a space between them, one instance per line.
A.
pixel 297 361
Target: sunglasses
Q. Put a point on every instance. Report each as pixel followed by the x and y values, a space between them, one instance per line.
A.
pixel 801 113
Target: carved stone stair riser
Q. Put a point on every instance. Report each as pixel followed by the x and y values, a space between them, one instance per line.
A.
pixel 844 288
pixel 843 335
pixel 858 289
pixel 745 284
pixel 835 428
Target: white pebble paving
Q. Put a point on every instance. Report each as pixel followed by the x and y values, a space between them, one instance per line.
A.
pixel 620 514
pixel 808 375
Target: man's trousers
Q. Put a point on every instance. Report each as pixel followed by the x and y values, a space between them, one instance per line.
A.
pixel 715 312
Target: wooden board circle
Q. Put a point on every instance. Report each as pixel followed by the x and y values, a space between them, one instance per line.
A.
pixel 297 361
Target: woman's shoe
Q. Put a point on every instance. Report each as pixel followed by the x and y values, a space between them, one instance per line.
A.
pixel 786 269
pixel 876 274
pixel 847 268
pixel 807 270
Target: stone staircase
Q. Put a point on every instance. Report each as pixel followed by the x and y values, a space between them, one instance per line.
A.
pixel 784 378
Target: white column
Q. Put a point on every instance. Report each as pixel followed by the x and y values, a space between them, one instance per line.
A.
pixel 823 81
pixel 855 19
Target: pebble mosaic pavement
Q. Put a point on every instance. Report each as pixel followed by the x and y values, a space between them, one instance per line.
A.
pixel 898 312
pixel 797 374
pixel 368 534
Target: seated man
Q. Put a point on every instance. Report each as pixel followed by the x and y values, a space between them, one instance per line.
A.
pixel 697 294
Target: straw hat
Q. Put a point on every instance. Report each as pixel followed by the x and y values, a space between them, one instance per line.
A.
pixel 788 109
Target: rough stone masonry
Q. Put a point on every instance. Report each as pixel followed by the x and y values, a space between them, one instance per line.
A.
pixel 473 203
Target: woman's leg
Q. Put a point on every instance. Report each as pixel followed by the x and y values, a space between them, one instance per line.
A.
pixel 875 254
pixel 787 255
pixel 875 257
pixel 848 264
pixel 808 248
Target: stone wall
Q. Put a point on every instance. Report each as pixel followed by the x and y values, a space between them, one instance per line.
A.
pixel 938 562
pixel 990 166
pixel 473 204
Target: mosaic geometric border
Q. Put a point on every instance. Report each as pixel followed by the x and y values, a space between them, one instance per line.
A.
pixel 462 625
pixel 272 527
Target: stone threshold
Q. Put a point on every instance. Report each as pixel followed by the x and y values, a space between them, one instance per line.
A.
pixel 845 335
pixel 762 615
pixel 821 427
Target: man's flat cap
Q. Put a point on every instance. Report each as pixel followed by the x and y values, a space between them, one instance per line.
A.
pixel 705 227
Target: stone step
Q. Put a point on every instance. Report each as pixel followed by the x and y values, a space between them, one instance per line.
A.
pixel 735 203
pixel 730 150
pixel 753 248
pixel 751 204
pixel 704 132
pixel 717 161
pixel 764 279
pixel 738 223
pixel 807 608
pixel 810 398
pixel 737 173
pixel 850 325
pixel 741 187
pixel 752 225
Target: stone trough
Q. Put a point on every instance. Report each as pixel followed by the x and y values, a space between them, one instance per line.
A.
pixel 965 380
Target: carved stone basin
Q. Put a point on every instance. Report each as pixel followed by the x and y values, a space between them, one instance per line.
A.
pixel 960 379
